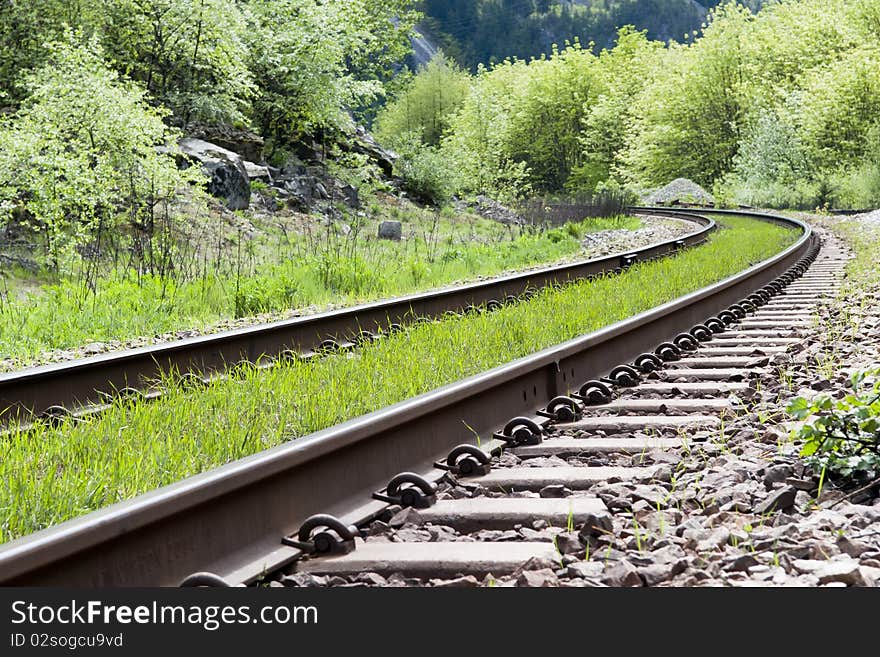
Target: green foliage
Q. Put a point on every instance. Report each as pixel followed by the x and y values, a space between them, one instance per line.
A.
pixel 840 107
pixel 546 115
pixel 189 54
pixel 689 118
pixel 25 27
pixel 289 65
pixel 265 293
pixel 425 170
pixel 489 31
pixel 79 159
pixel 311 59
pixel 771 151
pixel 477 143
pixel 621 74
pixel 843 436
pixel 776 108
pixel 426 105
pixel 859 187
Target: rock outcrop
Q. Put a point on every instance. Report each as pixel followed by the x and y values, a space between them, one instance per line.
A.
pixel 227 174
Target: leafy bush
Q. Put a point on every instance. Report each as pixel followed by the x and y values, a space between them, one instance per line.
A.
pixel 843 439
pixel 425 106
pixel 770 152
pixel 859 187
pixel 81 157
pixel 425 171
pixel 797 195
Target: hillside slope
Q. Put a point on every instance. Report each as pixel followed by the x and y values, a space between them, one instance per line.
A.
pixel 487 31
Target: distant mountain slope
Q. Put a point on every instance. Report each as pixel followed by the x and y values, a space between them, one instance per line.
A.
pixel 486 31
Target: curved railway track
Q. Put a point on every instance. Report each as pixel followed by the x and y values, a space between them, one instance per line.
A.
pixel 305 507
pixel 84 386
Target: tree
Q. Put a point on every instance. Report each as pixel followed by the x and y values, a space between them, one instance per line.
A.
pixel 189 54
pixel 427 104
pixel 622 73
pixel 25 26
pixel 840 108
pixel 85 155
pixel 314 60
pixel 689 118
pixel 477 143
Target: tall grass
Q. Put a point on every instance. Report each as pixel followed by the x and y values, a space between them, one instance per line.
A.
pixel 61 472
pixel 321 270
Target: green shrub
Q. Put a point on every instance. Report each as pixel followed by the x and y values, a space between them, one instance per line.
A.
pixel 425 106
pixel 81 156
pixel 843 438
pixel 425 170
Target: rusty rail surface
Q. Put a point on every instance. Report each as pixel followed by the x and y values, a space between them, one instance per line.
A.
pixel 56 389
pixel 230 521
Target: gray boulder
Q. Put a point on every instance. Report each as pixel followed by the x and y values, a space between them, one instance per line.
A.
pixel 680 190
pixel 248 145
pixel 390 230
pixel 364 143
pixel 257 172
pixel 227 174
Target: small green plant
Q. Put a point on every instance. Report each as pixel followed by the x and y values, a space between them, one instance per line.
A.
pixel 662 518
pixel 558 551
pixel 473 431
pixel 843 437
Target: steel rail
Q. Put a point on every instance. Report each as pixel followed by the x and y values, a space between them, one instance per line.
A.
pixel 230 521
pixel 88 381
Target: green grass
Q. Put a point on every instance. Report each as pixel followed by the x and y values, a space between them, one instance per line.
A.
pixel 59 473
pixel 315 271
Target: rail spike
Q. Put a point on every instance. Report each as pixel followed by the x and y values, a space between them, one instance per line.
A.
pixel 727 317
pixel 521 431
pixel 409 489
pixel 563 409
pixel 686 342
pixel 624 376
pixel 701 332
pixel 54 416
pixel 668 351
pixel 467 461
pixel 594 392
pixel 211 580
pixel 738 311
pixel 323 534
pixel 647 363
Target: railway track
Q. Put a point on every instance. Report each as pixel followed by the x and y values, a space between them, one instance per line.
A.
pixel 408 493
pixel 86 386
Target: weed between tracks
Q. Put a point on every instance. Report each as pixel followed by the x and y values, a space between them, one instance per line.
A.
pixel 58 473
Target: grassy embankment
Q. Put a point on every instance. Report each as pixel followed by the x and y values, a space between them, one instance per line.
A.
pixel 282 272
pixel 59 473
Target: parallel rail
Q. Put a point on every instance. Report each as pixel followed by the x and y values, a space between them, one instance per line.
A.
pixel 50 389
pixel 230 521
